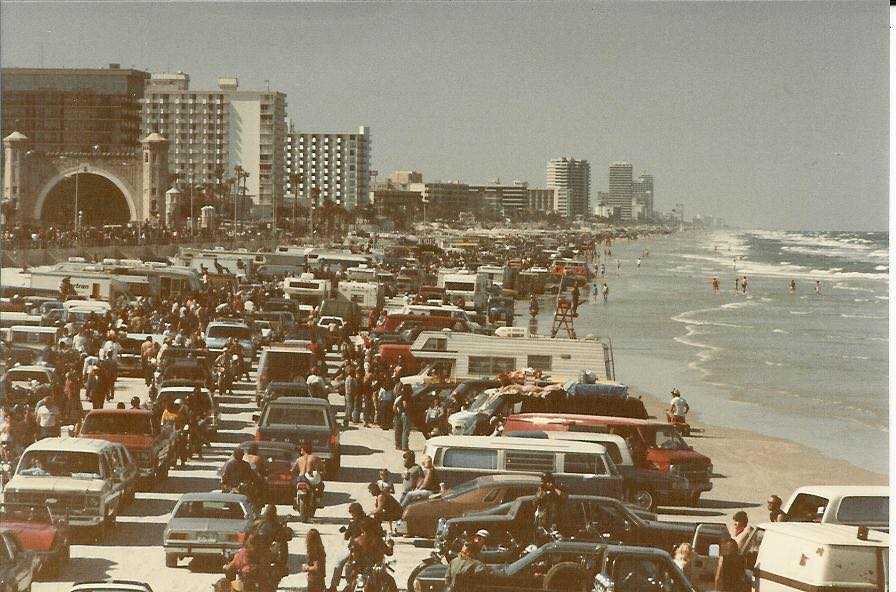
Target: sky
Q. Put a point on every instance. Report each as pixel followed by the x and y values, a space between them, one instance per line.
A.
pixel 768 114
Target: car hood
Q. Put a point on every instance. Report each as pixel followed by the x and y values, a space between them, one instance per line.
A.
pixel 133 441
pixel 682 528
pixel 679 456
pixel 464 418
pixel 54 484
pixel 33 535
pixel 207 524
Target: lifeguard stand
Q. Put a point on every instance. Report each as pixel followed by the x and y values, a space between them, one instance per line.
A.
pixel 563 317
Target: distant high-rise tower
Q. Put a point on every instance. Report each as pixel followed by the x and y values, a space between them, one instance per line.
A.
pixel 642 191
pixel 620 194
pixel 572 179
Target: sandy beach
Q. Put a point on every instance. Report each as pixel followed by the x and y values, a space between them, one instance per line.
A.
pixel 750 466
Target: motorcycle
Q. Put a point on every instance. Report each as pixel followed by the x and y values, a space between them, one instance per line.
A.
pixel 225 381
pixel 181 446
pixel 309 493
pixel 376 578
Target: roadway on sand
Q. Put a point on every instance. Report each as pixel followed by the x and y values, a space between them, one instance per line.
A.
pixel 133 549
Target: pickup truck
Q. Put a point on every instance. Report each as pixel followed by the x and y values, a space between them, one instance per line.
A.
pixel 303 419
pixel 151 445
pixel 570 566
pixel 587 517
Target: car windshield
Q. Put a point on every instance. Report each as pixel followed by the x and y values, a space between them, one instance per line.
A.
pixel 460 490
pixel 27 376
pixel 211 509
pixel 34 337
pixel 60 463
pixel 666 438
pixel 225 331
pixel 24 513
pixel 486 401
pixel 128 424
pixel 294 415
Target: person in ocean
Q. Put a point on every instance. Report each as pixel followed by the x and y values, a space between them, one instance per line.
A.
pixel 606 291
pixel 792 286
pixel 715 285
pixel 818 286
pixel 596 290
pixel 743 284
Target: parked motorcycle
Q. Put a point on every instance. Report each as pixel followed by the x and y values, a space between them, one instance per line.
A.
pixel 181 446
pixel 376 578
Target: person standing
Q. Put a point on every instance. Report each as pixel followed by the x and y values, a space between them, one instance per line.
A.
pixel 818 286
pixel 575 298
pixel 730 573
pixel 111 350
pixel 351 397
pixel 775 513
pixel 678 408
pixel 95 388
pixel 792 287
pixel 739 530
pixel 147 354
pixel 73 411
pixel 315 562
pixel 605 290
pixel 715 285
pixel 743 284
pixel 401 424
pixel 47 418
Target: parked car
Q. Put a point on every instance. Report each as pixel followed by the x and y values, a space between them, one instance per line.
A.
pixel 573 566
pixel 169 394
pixel 206 524
pixel 77 473
pixel 186 372
pixel 40 531
pixel 218 332
pixel 585 517
pixel 275 390
pixel 151 444
pixel 282 363
pixel 297 419
pixel 16 563
pixel 421 518
pixel 16 384
pixel 111 586
pixel 856 505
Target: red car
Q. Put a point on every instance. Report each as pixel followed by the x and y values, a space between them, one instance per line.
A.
pixel 40 531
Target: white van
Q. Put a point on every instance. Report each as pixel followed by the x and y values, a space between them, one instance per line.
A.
pixel 799 557
pixel 578 467
pixel 856 505
pixel 466 289
pixel 306 289
pixel 367 295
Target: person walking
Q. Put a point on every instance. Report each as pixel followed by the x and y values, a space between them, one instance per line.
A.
pixel 605 290
pixel 730 572
pixel 351 396
pixel 743 284
pixel 401 423
pixel 315 562
pixel 715 285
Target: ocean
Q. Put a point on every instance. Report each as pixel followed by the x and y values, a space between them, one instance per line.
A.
pixel 806 367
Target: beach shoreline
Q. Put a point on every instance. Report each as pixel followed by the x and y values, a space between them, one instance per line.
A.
pixel 750 466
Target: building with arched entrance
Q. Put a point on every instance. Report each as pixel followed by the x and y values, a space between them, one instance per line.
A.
pixel 93 187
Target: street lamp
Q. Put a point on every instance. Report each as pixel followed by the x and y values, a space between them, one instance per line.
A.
pixel 80 221
pixel 82 168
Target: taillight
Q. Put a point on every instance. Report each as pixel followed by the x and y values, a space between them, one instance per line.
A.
pixel 332 440
pixel 286 477
pixel 258 436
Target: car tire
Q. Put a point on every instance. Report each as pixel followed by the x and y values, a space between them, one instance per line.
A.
pixel 170 560
pixel 566 576
pixel 414 573
pixel 644 498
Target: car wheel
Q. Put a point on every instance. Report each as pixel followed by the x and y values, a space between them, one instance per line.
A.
pixel 170 560
pixel 566 576
pixel 644 498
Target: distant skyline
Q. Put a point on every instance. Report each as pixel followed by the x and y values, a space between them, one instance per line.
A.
pixel 768 114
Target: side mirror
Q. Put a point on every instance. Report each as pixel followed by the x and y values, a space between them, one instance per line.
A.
pixel 714 550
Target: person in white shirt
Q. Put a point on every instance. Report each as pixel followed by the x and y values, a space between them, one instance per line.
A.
pixel 48 418
pixel 678 408
pixel 113 346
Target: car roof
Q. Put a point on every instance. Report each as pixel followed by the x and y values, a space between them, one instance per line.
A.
pixel 72 444
pixel 300 401
pixel 217 496
pixel 838 491
pixel 32 368
pixel 505 479
pixel 112 586
pixel 119 412
pixel 830 534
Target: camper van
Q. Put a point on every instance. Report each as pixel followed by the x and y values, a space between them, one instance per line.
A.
pixel 97 285
pixel 806 556
pixel 465 289
pixel 471 355
pixel 497 275
pixel 367 295
pixel 306 289
pixel 317 259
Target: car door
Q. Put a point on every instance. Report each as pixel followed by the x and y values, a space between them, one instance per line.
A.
pixel 113 484
pixel 639 573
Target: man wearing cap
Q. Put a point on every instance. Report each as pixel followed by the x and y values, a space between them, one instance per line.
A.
pixel 466 571
pixel 678 408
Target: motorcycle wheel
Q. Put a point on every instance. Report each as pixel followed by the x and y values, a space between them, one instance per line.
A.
pixel 414 573
pixel 305 510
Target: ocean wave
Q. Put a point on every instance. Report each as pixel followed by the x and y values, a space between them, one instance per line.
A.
pixel 882 267
pixel 775 364
pixel 798 312
pixel 862 316
pixel 842 286
pixel 817 240
pixel 782 331
pixel 855 357
pixel 741 304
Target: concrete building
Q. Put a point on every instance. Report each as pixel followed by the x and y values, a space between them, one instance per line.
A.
pixel 572 179
pixel 338 164
pixel 642 193
pixel 447 199
pixel 73 109
pixel 505 200
pixel 540 200
pixel 620 194
pixel 213 131
pixel 401 205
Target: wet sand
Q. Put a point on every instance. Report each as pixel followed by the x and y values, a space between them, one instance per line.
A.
pixel 749 467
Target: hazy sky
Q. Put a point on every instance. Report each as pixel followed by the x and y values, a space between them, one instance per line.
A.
pixel 769 114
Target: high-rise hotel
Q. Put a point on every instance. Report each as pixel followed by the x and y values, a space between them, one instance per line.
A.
pixel 572 180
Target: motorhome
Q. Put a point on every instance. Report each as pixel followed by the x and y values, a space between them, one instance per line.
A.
pixel 240 263
pixel 288 255
pixel 367 295
pixel 98 285
pixel 149 278
pixel 318 259
pixel 501 276
pixel 472 355
pixel 466 289
pixel 306 289
pixel 10 319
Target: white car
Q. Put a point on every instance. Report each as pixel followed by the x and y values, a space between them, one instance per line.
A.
pixel 110 586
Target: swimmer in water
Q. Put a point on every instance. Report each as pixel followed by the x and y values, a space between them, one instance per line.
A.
pixel 792 287
pixel 818 286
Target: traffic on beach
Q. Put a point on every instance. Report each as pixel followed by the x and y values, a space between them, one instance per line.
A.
pixel 435 413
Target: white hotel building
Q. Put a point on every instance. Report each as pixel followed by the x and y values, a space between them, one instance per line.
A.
pixel 338 164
